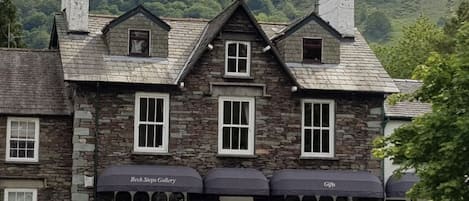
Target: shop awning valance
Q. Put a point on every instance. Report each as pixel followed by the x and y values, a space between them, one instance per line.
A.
pixel 398 186
pixel 326 183
pixel 150 178
pixel 236 181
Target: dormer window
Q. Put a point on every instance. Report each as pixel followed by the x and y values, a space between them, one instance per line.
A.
pixel 312 50
pixel 238 58
pixel 139 43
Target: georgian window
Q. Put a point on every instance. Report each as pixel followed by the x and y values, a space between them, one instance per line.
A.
pixel 22 142
pixel 151 130
pixel 20 194
pixel 312 50
pixel 317 132
pixel 238 58
pixel 236 126
pixel 139 43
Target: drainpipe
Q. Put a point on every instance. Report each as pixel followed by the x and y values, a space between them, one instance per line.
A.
pixel 96 135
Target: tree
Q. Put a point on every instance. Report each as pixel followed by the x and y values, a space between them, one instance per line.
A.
pixel 453 24
pixel 412 49
pixel 377 27
pixel 436 145
pixel 9 27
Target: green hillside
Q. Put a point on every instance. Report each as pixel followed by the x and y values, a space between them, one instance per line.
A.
pixel 36 15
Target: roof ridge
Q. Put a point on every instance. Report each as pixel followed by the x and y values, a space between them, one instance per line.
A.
pixel 406 80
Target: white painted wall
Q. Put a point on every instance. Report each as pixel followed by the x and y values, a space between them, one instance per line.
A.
pixel 391 125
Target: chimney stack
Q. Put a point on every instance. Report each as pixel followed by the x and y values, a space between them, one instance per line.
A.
pixel 340 14
pixel 76 12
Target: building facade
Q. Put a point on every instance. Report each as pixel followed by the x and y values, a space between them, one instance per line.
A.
pixel 153 105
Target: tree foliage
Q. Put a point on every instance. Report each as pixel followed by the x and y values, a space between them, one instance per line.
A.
pixel 9 27
pixel 377 27
pixel 412 49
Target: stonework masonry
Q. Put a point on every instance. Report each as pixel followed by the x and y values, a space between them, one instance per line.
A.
pixel 54 169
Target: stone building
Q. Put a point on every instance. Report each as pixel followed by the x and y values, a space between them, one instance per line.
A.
pixel 152 105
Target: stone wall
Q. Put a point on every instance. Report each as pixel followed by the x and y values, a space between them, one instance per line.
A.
pixel 117 38
pixel 291 47
pixel 53 170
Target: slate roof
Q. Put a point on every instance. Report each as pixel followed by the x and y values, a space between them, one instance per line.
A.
pixel 32 83
pixel 85 58
pixel 407 109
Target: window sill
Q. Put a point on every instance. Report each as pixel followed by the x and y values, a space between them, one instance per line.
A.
pixel 238 77
pixel 319 158
pixel 23 162
pixel 141 153
pixel 236 156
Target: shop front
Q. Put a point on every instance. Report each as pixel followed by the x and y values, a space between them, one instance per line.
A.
pixel 149 183
pixel 236 184
pixel 321 185
pixel 397 187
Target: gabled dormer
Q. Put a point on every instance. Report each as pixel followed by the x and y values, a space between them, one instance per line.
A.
pixel 137 33
pixel 309 40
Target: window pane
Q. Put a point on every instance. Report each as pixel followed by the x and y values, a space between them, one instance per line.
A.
pixel 226 137
pixel 316 141
pixel 151 110
pixel 23 130
pixel 227 112
pixel 141 196
pixel 151 136
pixel 307 140
pixel 244 138
pixel 176 196
pixel 325 141
pixel 232 49
pixel 159 110
pixel 324 198
pixel 232 65
pixel 14 129
pixel 28 196
pixel 235 139
pixel 22 144
pixel 242 65
pixel 243 50
pixel 142 133
pixel 236 108
pixel 325 115
pixel 30 145
pixel 31 130
pixel 30 153
pixel 159 196
pixel 13 144
pixel 123 196
pixel 307 114
pixel 245 113
pixel 22 154
pixel 139 43
pixel 143 109
pixel 159 136
pixel 13 153
pixel 11 196
pixel 312 50
pixel 317 115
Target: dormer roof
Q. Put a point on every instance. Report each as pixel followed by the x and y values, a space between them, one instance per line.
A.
pixel 139 9
pixel 300 22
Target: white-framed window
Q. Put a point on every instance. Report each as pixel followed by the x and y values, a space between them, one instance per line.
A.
pixel 238 58
pixel 317 132
pixel 14 194
pixel 236 125
pixel 22 140
pixel 151 128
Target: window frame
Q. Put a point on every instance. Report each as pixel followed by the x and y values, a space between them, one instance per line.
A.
pixel 165 141
pixel 309 61
pixel 128 42
pixel 20 190
pixel 8 158
pixel 251 127
pixel 237 57
pixel 332 117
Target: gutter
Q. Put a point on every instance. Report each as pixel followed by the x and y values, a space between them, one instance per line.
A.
pixel 96 135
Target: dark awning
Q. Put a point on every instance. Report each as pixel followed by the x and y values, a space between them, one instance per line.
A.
pixel 398 187
pixel 150 178
pixel 236 181
pixel 326 183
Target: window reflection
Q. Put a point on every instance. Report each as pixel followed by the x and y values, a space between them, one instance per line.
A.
pixel 123 196
pixel 176 197
pixel 159 196
pixel 141 196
